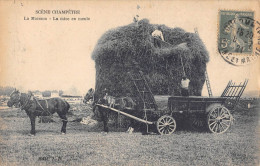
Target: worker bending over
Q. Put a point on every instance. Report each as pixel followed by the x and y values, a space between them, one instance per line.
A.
pixel 157 36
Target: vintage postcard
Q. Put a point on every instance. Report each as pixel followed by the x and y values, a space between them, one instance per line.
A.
pixel 129 82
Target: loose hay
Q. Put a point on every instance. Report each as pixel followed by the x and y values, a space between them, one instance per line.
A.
pixel 129 47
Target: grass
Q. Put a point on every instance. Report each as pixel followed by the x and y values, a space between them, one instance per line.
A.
pixel 83 145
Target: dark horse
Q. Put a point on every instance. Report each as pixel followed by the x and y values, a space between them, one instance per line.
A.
pixel 34 107
pixel 101 113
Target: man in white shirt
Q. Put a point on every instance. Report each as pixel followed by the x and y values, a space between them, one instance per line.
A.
pixel 157 36
pixel 185 86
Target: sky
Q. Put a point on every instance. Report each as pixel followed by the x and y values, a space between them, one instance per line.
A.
pixel 49 55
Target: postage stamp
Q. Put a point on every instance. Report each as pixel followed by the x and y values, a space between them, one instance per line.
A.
pixel 238 37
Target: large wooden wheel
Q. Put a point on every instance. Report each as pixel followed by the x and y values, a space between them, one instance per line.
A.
pixel 166 125
pixel 219 119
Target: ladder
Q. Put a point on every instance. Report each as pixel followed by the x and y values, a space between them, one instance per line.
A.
pixel 208 84
pixel 206 73
pixel 147 101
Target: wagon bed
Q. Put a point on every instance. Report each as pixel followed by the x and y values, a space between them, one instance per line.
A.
pixel 192 103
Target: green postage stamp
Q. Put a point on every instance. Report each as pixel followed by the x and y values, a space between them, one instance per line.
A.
pixel 238 37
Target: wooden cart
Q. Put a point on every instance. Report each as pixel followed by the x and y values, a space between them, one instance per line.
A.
pixel 212 113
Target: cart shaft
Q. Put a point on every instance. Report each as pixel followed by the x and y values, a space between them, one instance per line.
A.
pixel 126 114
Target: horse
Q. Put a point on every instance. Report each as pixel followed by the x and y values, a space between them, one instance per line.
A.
pixel 89 97
pixel 102 114
pixel 34 107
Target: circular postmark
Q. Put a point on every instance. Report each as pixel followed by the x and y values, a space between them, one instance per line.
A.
pixel 239 37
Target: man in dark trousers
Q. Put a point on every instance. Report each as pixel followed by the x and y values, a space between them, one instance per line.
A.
pixel 185 86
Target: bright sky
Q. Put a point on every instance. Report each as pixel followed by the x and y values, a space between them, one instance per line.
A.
pixel 48 55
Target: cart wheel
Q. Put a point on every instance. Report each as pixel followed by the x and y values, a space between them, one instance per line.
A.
pixel 166 125
pixel 219 119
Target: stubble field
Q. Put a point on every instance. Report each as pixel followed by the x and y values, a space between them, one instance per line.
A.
pixel 85 145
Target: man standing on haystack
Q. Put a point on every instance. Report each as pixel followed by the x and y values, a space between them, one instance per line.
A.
pixel 157 36
pixel 136 19
pixel 185 86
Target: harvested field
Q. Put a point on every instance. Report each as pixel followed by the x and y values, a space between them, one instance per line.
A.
pixel 84 145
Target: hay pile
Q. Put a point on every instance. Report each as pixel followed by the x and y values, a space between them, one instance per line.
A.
pixel 129 47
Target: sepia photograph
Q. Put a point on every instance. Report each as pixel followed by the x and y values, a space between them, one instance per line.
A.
pixel 129 82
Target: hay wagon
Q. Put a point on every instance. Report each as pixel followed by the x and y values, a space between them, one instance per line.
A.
pixel 212 113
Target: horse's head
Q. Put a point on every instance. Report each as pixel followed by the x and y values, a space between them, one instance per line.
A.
pixel 14 98
pixel 89 96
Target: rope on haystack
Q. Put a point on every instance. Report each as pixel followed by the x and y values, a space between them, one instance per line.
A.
pixel 182 45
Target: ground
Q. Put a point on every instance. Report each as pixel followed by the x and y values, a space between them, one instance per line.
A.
pixel 84 145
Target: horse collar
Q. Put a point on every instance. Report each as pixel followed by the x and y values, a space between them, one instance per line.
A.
pixel 26 103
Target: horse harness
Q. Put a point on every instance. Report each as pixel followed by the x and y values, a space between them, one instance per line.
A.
pixel 37 101
pixel 29 98
pixel 26 103
pixel 47 106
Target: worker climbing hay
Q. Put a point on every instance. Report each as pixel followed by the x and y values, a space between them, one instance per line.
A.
pixel 157 36
pixel 185 86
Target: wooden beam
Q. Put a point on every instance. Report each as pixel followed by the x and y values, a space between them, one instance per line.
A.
pixel 126 114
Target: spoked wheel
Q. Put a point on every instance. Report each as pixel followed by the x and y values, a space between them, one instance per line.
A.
pixel 166 125
pixel 197 122
pixel 219 119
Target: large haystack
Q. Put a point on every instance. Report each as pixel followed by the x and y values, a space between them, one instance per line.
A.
pixel 124 48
